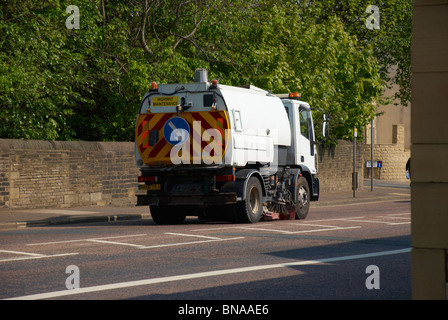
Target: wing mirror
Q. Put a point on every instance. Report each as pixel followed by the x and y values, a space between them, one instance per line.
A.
pixel 326 126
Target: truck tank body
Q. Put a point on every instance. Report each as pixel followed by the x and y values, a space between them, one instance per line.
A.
pixel 259 124
pixel 221 126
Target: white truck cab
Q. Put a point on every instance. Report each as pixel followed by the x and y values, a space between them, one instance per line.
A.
pixel 303 146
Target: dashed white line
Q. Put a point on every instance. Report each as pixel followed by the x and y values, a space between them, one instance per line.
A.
pixel 264 229
pixel 222 228
pixel 187 243
pixel 334 219
pixel 319 225
pixel 37 256
pixel 193 235
pixel 376 221
pixel 24 253
pixel 81 240
pixel 115 243
pixel 327 229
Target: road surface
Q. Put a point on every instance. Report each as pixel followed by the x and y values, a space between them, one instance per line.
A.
pixel 359 251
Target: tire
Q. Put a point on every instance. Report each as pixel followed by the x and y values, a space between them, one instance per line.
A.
pixel 303 198
pixel 167 214
pixel 250 210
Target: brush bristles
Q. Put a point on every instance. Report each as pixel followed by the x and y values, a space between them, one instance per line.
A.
pixel 278 208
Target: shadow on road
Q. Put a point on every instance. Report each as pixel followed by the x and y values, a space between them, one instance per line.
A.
pixel 338 280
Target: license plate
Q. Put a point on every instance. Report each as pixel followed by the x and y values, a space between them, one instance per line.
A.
pixel 165 101
pixel 188 187
pixel 149 187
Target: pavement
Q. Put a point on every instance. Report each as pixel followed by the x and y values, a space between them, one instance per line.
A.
pixel 11 219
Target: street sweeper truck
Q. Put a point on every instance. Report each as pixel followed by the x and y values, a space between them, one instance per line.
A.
pixel 216 151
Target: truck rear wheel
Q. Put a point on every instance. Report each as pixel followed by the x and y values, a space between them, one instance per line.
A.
pixel 167 214
pixel 250 210
pixel 303 198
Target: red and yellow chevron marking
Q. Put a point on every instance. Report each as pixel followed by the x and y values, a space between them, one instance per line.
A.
pixel 199 122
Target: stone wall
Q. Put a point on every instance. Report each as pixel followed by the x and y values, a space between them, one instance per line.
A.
pixel 393 155
pixel 38 174
pixel 335 167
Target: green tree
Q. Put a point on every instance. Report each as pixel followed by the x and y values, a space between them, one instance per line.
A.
pixel 34 96
pixel 59 83
pixel 391 42
pixel 273 45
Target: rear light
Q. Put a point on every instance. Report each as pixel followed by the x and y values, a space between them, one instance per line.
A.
pixel 147 179
pixel 227 177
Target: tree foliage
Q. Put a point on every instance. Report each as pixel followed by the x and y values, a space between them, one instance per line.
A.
pixel 391 42
pixel 86 83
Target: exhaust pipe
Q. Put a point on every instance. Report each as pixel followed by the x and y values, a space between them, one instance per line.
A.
pixel 200 75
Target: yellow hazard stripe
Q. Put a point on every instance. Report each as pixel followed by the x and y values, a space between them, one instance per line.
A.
pixel 159 153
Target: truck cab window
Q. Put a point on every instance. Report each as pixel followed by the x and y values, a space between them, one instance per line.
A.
pixel 304 116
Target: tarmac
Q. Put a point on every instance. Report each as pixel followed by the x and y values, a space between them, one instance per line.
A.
pixel 13 219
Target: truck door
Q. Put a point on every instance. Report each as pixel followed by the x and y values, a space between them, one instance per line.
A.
pixel 305 136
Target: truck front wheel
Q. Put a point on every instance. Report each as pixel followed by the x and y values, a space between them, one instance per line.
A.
pixel 250 210
pixel 303 198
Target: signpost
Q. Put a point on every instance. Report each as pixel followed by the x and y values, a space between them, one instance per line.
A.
pixel 354 177
pixel 371 155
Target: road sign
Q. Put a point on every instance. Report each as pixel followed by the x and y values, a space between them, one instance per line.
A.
pixel 176 131
pixel 376 164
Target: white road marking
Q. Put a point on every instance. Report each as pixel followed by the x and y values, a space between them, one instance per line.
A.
pixel 356 203
pixel 38 257
pixel 222 228
pixel 115 243
pixel 258 228
pixel 187 243
pixel 376 221
pixel 330 228
pixel 396 216
pixel 404 218
pixel 192 235
pixel 325 220
pixel 265 229
pixel 139 246
pixel 121 285
pixel 81 240
pixel 362 219
pixel 320 225
pixel 24 253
